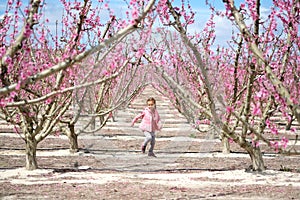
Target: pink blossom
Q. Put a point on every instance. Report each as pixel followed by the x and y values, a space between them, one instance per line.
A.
pixel 275 145
pixel 18 85
pixel 27 31
pixel 13 94
pixel 242 6
pixel 293 130
pixel 256 110
pixel 133 2
pixel 274 130
pixel 3 102
pixel 255 143
pixel 18 118
pixel 229 109
pixel 19 3
pixel 268 123
pixel 206 121
pixel 140 52
pixel 133 22
pixel 48 101
pixel 284 142
pixel 135 13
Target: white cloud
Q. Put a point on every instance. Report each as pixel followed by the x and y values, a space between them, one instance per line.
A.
pixel 224 29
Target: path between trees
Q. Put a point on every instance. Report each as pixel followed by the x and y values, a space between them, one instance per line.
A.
pixel 111 166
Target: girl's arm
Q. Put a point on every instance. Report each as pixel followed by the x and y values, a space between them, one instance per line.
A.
pixel 158 121
pixel 139 116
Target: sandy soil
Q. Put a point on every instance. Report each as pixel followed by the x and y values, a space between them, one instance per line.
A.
pixel 114 168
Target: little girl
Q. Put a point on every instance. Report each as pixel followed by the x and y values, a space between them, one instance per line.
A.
pixel 150 123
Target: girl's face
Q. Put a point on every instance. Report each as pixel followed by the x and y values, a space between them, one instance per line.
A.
pixel 151 105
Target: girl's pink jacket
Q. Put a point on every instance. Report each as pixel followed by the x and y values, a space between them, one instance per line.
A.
pixel 150 120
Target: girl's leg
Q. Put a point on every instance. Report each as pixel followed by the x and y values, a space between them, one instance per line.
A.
pixel 148 138
pixel 152 144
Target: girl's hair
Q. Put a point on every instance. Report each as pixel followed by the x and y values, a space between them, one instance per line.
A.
pixel 151 99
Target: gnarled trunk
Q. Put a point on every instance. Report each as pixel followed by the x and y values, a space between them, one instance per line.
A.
pixel 31 145
pixel 72 138
pixel 93 123
pixel 225 145
pixel 256 158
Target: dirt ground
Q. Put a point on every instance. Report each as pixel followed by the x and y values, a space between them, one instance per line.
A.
pixel 114 168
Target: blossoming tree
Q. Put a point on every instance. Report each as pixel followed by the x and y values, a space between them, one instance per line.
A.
pixel 40 71
pixel 244 86
pixel 237 89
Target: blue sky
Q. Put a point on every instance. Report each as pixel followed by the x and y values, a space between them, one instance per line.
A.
pixel 223 26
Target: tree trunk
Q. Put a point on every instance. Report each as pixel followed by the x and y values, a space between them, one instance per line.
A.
pixel 101 117
pixel 72 139
pixel 93 123
pixel 31 145
pixel 226 145
pixel 256 159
